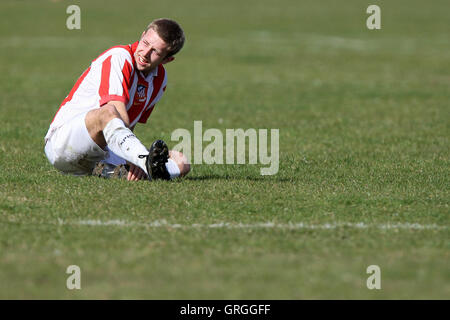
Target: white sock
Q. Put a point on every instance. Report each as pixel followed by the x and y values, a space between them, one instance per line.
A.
pixel 124 143
pixel 172 168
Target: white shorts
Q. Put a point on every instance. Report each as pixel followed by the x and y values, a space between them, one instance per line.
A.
pixel 71 150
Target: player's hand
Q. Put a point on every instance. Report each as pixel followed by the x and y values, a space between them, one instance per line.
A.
pixel 135 173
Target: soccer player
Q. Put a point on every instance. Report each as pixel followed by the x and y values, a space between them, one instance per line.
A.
pixel 95 122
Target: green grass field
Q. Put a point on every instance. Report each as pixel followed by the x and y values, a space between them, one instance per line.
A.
pixel 364 155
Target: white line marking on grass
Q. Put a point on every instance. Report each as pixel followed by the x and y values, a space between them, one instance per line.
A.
pixel 261 225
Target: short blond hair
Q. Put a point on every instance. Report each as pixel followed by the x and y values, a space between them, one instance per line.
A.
pixel 170 32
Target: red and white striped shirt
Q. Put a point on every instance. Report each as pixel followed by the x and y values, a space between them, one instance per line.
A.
pixel 113 76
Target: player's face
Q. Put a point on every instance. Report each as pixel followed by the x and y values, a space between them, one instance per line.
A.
pixel 151 52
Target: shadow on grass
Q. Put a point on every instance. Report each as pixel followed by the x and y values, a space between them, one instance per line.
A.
pixel 243 177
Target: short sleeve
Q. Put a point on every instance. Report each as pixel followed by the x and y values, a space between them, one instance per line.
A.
pixel 116 75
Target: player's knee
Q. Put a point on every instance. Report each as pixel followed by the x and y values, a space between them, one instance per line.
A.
pixel 108 112
pixel 181 161
pixel 97 119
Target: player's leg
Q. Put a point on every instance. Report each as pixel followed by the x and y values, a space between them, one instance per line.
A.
pixel 71 150
pixel 182 165
pixel 176 166
pixel 106 128
pixel 169 164
pixel 97 119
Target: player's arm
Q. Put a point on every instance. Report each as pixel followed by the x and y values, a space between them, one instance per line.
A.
pixel 116 79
